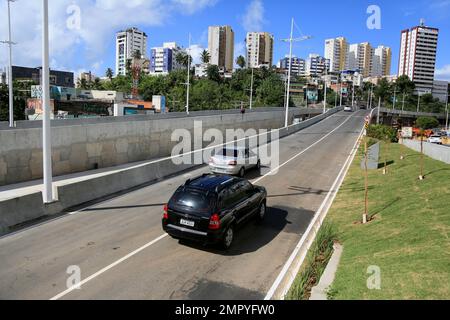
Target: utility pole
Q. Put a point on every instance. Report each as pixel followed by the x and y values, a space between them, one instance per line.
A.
pixel 353 92
pixel 251 92
pixel 10 43
pixel 188 82
pixel 371 96
pixel 418 102
pixel 46 129
pixel 340 89
pixel 378 112
pixel 395 98
pixel 291 40
pixel 446 109
pixel 325 91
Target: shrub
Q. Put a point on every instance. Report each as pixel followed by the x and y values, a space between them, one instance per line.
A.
pixel 382 132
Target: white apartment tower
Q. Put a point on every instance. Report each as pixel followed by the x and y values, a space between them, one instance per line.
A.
pixel 221 47
pixel 336 50
pixel 381 62
pixel 127 43
pixel 418 56
pixel 259 49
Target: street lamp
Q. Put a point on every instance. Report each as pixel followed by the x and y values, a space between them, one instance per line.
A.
pixel 10 75
pixel 446 111
pixel 188 83
pixel 291 40
pixel 46 130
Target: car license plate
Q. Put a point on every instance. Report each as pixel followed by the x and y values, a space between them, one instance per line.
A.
pixel 187 223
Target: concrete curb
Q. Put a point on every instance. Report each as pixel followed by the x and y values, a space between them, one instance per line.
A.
pixel 27 208
pixel 320 291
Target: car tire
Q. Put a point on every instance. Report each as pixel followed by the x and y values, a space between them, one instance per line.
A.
pixel 242 172
pixel 262 211
pixel 227 239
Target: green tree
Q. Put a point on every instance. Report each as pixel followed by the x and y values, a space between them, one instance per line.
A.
pixel 19 103
pixel 382 90
pixel 109 73
pixel 425 123
pixel 240 61
pixel 213 73
pixel 205 56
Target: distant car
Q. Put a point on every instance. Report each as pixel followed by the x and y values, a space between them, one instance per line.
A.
pixel 234 161
pixel 209 208
pixel 436 139
pixel 362 107
pixel 348 109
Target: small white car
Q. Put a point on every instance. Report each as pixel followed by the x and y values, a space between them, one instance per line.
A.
pixel 348 109
pixel 234 161
pixel 435 139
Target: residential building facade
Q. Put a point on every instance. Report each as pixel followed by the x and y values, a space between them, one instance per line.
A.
pixel 440 90
pixel 259 49
pixel 221 47
pixel 336 50
pixel 127 43
pixel 381 62
pixel 163 59
pixel 417 59
pixel 298 65
pixel 317 66
pixel 57 78
pixel 360 58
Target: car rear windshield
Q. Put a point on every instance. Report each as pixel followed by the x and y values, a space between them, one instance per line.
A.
pixel 228 153
pixel 194 201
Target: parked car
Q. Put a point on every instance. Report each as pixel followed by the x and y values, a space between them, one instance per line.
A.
pixel 209 208
pixel 234 161
pixel 348 109
pixel 436 139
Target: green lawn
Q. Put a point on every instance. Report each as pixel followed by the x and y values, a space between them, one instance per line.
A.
pixel 408 238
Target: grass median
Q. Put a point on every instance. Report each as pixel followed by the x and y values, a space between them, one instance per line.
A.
pixel 408 237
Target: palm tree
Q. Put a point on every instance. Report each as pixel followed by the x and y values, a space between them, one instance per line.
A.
pixel 240 61
pixel 183 58
pixel 109 73
pixel 137 55
pixel 205 57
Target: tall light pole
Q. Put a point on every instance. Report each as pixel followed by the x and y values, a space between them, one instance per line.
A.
pixel 418 102
pixel 446 110
pixel 188 82
pixel 251 91
pixel 10 43
pixel 291 40
pixel 353 92
pixel 395 98
pixel 46 130
pixel 325 97
pixel 371 96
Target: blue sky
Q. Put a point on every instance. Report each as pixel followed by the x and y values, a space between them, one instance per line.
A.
pixel 91 46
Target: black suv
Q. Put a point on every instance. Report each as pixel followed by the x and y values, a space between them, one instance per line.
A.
pixel 208 209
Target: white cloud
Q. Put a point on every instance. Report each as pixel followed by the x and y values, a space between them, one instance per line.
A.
pixel 253 19
pixel 196 52
pixel 99 21
pixel 443 73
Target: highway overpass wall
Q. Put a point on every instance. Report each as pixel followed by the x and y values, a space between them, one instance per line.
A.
pixel 86 144
pixel 435 151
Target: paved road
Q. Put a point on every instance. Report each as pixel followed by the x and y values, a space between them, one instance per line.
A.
pixel 123 253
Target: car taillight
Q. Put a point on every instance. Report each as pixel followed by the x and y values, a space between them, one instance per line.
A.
pixel 214 222
pixel 232 163
pixel 166 212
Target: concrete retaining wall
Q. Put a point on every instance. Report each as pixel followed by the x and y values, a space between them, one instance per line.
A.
pixel 30 207
pixel 437 152
pixel 102 143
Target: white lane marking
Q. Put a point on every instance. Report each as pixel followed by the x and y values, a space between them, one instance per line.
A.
pixel 332 193
pixel 302 152
pixel 112 265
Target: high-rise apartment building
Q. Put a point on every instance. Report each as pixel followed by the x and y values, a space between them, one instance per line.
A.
pixel 163 59
pixel 360 58
pixel 336 50
pixel 127 43
pixel 298 66
pixel 418 55
pixel 259 49
pixel 317 66
pixel 221 47
pixel 381 62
